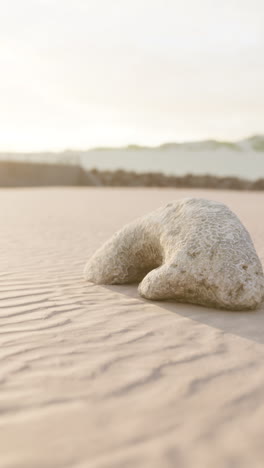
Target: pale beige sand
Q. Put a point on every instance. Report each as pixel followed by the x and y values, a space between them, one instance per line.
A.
pixel 95 376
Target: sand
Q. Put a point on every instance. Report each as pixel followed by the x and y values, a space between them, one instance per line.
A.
pixel 95 376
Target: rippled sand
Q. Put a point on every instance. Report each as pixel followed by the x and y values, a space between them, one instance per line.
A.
pixel 96 376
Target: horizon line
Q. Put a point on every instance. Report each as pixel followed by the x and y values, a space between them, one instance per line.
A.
pixel 137 145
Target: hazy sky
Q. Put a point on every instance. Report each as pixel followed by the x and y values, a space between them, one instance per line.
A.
pixel 82 73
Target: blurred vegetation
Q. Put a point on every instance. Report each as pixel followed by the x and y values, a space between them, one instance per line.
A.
pixel 25 174
pixel 257 142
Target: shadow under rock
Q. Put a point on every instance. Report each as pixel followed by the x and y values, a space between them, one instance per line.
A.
pixel 245 324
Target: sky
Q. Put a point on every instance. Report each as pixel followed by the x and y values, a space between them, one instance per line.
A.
pixel 82 73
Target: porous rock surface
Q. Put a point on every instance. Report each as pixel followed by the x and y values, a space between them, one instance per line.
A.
pixel 192 250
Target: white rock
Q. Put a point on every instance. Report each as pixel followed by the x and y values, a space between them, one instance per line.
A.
pixel 192 250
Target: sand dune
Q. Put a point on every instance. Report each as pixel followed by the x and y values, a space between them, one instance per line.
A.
pixel 242 159
pixel 97 377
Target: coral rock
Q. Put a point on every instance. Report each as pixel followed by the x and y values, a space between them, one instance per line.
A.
pixel 192 250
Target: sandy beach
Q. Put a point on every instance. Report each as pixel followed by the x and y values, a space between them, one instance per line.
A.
pixel 97 377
